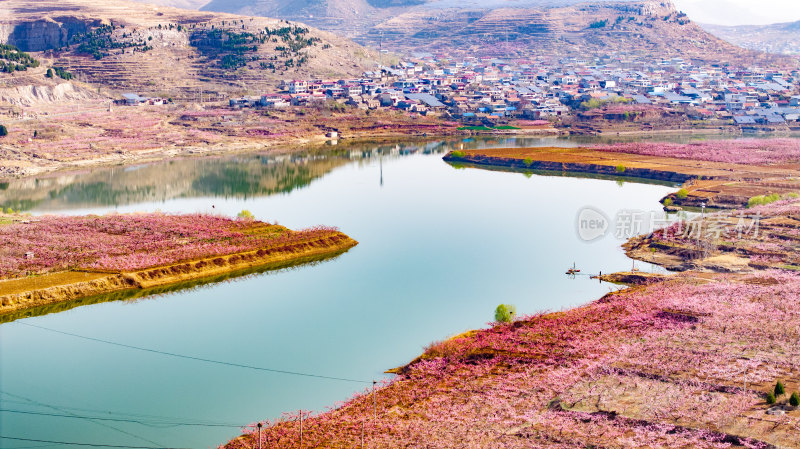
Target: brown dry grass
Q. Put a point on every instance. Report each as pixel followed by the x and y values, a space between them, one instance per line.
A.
pixel 49 280
pixel 75 136
pixel 19 294
pixel 173 66
pixel 716 184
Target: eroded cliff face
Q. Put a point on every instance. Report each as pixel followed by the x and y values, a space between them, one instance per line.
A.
pixel 44 34
pixel 33 94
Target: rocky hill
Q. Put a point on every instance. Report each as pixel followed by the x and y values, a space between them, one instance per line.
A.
pixel 183 4
pixel 652 28
pixel 780 38
pixel 354 18
pixel 173 52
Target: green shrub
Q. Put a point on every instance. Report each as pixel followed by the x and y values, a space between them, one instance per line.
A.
pixel 770 398
pixel 527 161
pixel 63 74
pixel 779 390
pixel 9 210
pixel 598 24
pixel 761 200
pixel 794 401
pixel 668 202
pixel 620 168
pixel 13 59
pixel 246 215
pixel 505 313
pixel 458 154
pixel 3 131
pixel 682 194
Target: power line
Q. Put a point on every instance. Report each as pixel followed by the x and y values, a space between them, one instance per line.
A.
pixel 31 447
pixel 132 417
pixel 199 359
pixel 135 421
pixel 108 426
pixel 2 437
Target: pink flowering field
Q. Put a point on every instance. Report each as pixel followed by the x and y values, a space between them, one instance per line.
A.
pixel 742 151
pixel 131 242
pixel 767 236
pixel 679 364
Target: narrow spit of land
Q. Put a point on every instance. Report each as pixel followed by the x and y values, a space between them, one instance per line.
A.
pixel 687 360
pixel 721 174
pixel 51 259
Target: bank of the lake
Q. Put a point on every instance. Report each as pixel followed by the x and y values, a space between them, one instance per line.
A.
pixel 688 360
pixel 719 174
pixel 685 360
pixel 54 259
pixel 351 317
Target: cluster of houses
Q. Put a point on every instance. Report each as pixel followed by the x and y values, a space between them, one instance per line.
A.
pixel 538 89
pixel 131 99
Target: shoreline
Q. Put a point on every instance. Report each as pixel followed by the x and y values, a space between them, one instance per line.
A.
pixel 627 367
pixel 703 183
pixel 20 294
pixel 135 294
pixel 157 155
pixel 282 145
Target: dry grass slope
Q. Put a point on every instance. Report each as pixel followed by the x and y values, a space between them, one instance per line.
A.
pixel 172 64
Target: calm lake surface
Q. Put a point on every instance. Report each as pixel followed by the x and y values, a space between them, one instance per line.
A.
pixel 440 248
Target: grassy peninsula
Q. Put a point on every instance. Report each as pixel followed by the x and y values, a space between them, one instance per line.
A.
pixel 717 173
pixel 53 259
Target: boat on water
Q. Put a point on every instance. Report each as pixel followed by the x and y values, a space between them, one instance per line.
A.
pixel 573 270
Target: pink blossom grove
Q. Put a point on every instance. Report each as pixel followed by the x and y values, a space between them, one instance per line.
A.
pixel 740 151
pixel 132 241
pixel 679 364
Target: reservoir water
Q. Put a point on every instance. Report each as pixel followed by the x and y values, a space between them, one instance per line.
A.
pixel 440 248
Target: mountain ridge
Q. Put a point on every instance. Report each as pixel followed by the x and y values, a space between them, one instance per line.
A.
pixel 126 45
pixel 503 27
pixel 777 38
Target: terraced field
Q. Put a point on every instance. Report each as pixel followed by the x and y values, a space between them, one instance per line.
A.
pixel 149 49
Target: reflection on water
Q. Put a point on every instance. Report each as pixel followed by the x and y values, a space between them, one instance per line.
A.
pixel 439 249
pixel 239 176
pixel 155 292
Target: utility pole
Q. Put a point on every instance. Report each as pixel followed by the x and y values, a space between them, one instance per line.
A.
pixel 362 434
pixel 301 429
pixel 374 403
pixel 259 435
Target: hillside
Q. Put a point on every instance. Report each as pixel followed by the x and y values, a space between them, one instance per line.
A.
pixel 172 52
pixel 183 4
pixel 780 38
pixel 648 28
pixel 350 18
pixel 356 17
